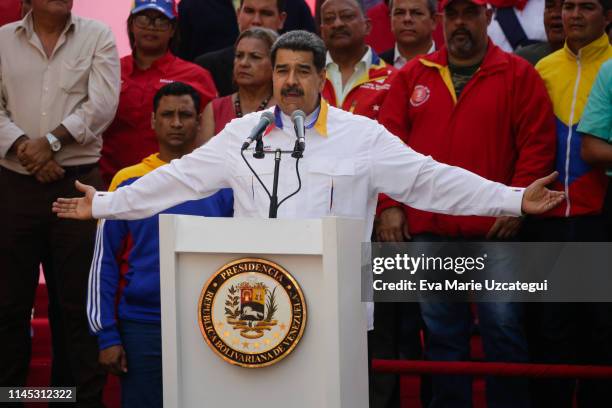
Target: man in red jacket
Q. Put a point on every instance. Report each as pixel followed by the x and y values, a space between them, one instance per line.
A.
pixel 474 106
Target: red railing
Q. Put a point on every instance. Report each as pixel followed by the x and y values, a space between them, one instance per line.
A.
pixel 480 369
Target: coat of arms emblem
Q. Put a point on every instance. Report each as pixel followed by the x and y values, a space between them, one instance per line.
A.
pixel 252 312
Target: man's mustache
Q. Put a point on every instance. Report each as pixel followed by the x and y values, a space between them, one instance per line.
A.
pixel 341 31
pixel 292 89
pixel 461 31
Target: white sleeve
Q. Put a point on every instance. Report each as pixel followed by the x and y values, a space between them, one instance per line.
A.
pixel 421 182
pixel 194 176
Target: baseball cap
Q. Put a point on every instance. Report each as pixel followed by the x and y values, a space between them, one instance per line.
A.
pixel 445 3
pixel 167 7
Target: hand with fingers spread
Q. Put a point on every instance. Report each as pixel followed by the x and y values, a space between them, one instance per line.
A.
pixel 392 226
pixel 78 208
pixel 49 172
pixel 537 199
pixel 113 359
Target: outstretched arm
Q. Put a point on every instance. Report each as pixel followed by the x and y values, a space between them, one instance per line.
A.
pixel 78 208
pixel 194 176
pixel 432 186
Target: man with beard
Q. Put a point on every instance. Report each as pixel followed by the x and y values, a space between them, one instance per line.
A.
pixel 555 34
pixel 471 105
pixel 357 79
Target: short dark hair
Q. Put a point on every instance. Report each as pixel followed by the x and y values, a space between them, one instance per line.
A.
pixel 300 40
pixel 280 5
pixel 432 6
pixel 606 5
pixel 177 89
pixel 357 3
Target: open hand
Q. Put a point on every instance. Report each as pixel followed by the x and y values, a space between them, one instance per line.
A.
pixel 537 199
pixel 76 208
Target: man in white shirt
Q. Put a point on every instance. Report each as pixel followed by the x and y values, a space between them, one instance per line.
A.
pixel 348 160
pixel 357 79
pixel 412 24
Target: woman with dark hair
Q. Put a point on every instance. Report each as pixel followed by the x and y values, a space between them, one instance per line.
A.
pixel 253 77
pixel 152 30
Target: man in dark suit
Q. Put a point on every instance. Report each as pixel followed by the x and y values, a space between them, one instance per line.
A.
pixel 412 24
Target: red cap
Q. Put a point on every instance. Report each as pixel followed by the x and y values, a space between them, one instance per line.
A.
pixel 444 3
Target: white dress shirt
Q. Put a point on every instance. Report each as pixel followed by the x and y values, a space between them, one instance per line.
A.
pixel 349 159
pixel 399 61
pixel 335 76
pixel 77 86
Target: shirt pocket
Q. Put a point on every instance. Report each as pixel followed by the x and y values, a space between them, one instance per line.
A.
pixel 330 185
pixel 250 198
pixel 74 75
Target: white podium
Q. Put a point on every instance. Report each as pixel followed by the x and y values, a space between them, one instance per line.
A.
pixel 328 367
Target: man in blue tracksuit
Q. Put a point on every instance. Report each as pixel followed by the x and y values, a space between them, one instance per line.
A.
pixel 123 305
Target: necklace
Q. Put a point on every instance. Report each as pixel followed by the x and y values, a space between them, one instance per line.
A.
pixel 238 107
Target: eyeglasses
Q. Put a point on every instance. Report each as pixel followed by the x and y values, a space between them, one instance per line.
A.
pixel 158 23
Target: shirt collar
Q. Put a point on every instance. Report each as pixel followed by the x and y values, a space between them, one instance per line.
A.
pixel 590 51
pixel 399 58
pixel 27 25
pixel 317 120
pixel 366 59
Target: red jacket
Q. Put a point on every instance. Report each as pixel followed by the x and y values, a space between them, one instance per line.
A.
pixel 129 139
pixel 381 37
pixel 368 94
pixel 502 127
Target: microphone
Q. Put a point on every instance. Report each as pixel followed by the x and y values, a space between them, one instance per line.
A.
pixel 264 121
pixel 298 117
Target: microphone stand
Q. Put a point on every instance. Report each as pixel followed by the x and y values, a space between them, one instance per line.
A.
pixel 259 153
pixel 274 197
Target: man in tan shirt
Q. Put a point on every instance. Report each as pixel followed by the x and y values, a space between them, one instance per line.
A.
pixel 59 87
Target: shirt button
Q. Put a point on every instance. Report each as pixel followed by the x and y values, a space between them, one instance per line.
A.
pixel 44 113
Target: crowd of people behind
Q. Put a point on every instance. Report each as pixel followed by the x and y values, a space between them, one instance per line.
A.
pixel 507 89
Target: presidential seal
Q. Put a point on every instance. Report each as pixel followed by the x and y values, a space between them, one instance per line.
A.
pixel 252 312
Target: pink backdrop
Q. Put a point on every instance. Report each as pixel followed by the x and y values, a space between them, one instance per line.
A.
pixel 114 13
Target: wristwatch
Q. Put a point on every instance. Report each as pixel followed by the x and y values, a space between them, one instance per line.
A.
pixel 54 142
